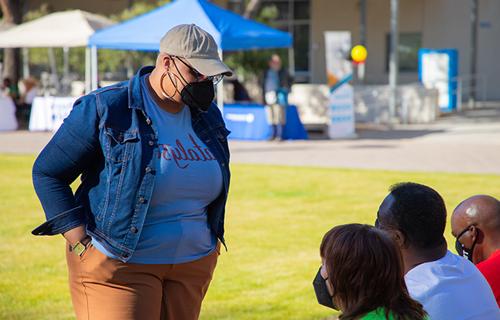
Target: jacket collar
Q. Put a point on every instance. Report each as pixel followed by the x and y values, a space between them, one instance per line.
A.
pixel 135 89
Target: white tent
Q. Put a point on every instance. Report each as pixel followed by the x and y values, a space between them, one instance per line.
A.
pixel 64 29
pixel 61 29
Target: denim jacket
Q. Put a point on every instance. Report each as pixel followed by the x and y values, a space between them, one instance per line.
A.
pixel 109 140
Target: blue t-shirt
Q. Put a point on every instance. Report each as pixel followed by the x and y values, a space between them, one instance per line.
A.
pixel 188 178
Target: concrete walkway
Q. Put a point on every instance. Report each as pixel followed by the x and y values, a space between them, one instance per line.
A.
pixel 468 142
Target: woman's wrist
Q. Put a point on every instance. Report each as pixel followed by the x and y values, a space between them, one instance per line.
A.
pixel 76 234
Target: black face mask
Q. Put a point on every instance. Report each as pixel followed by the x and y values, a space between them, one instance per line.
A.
pixel 321 290
pixel 198 95
pixel 461 249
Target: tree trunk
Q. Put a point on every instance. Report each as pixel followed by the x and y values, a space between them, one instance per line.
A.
pixel 251 8
pixel 12 13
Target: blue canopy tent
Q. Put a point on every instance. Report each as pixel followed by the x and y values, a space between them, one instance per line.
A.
pixel 230 31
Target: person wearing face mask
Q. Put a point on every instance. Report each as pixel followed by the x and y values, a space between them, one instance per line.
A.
pixel 448 286
pixel 145 226
pixel 475 224
pixel 362 276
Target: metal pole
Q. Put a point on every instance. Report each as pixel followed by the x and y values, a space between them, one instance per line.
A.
pixel 473 50
pixel 65 79
pixel 459 94
pixel 362 39
pixel 393 62
pixel 291 50
pixel 66 62
pixel 88 71
pixel 26 63
pixel 362 22
pixel 53 70
pixel 94 69
pixel 291 61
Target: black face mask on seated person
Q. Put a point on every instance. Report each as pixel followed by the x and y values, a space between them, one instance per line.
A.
pixel 198 95
pixel 321 290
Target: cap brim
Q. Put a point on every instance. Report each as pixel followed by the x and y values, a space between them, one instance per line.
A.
pixel 210 67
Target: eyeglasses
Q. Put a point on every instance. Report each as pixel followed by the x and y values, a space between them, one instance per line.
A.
pixel 198 76
pixel 458 245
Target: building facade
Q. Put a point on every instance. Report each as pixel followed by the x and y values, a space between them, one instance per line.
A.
pixel 432 24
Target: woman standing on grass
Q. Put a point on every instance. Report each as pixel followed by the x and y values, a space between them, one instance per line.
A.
pixel 362 276
pixel 145 225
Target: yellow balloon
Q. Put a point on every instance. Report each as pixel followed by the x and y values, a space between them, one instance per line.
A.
pixel 359 54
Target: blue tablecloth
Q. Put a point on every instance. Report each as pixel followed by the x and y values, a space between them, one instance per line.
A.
pixel 249 121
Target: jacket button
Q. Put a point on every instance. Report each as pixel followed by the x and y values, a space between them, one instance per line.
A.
pixel 142 200
pixel 133 230
pixel 148 121
pixel 148 169
pixel 151 143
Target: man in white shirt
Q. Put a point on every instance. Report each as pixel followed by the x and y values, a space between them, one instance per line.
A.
pixel 448 286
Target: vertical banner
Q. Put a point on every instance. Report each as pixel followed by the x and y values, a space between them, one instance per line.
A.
pixel 339 74
pixel 439 69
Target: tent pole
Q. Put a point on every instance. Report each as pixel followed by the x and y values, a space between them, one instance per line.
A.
pixel 93 65
pixel 220 90
pixel 26 63
pixel 88 80
pixel 53 70
pixel 65 79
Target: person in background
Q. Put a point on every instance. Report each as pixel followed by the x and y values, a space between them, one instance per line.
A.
pixel 277 83
pixel 9 89
pixel 145 226
pixel 448 286
pixel 29 91
pixel 362 276
pixel 475 224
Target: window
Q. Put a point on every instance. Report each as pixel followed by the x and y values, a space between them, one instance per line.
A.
pixel 409 44
pixel 293 17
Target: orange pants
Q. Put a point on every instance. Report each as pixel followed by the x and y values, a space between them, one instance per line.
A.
pixel 107 289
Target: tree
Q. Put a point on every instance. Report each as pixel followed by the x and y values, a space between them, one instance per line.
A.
pixel 251 8
pixel 12 11
pixel 252 64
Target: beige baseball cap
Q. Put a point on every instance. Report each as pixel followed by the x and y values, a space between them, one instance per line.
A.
pixel 197 47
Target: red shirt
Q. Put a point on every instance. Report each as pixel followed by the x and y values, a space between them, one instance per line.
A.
pixel 490 268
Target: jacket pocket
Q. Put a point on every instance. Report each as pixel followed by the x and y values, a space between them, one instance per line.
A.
pixel 119 144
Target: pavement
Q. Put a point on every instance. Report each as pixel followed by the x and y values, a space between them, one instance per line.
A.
pixel 467 142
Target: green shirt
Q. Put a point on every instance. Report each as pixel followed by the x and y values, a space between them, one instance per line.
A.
pixel 379 314
pixel 376 315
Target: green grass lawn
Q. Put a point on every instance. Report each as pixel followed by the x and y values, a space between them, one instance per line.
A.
pixel 275 221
